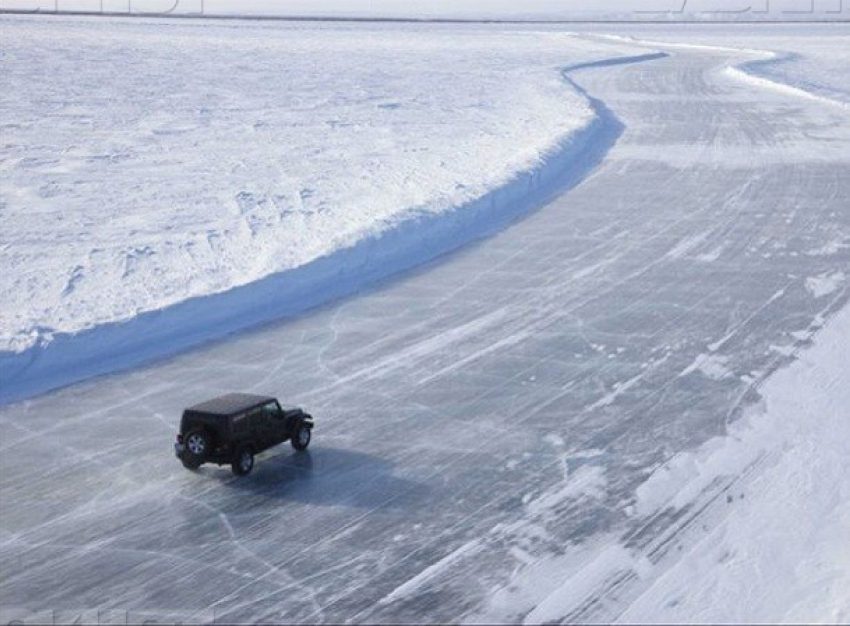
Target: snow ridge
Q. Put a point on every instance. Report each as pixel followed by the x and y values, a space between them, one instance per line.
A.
pixel 783 537
pixel 420 238
pixel 763 72
pixel 759 72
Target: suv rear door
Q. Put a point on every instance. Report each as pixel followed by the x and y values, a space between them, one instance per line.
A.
pixel 241 430
pixel 259 429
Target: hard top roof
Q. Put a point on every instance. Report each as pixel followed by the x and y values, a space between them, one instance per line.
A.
pixel 230 403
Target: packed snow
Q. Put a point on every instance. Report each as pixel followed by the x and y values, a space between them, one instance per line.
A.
pixel 160 163
pixel 782 551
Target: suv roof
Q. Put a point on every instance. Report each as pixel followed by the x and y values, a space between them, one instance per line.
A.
pixel 230 403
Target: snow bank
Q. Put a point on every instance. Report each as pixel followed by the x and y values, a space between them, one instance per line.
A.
pixel 752 527
pixel 239 173
pixel 158 162
pixel 754 72
pixel 823 69
pixel 782 552
pixel 816 66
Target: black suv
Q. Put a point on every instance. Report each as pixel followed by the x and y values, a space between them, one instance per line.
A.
pixel 235 427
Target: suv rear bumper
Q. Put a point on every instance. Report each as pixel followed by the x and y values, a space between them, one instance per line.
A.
pixel 220 456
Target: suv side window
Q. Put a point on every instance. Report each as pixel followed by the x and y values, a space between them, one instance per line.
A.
pixel 272 411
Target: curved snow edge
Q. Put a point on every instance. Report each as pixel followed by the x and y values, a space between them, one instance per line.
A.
pixel 117 346
pixel 754 71
pixel 789 456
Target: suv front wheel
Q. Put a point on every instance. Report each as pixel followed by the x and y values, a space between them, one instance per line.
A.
pixel 243 462
pixel 301 437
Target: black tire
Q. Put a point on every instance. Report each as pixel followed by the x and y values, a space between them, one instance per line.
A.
pixel 190 463
pixel 243 461
pixel 198 445
pixel 301 437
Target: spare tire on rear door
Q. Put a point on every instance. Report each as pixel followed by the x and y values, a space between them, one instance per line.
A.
pixel 198 445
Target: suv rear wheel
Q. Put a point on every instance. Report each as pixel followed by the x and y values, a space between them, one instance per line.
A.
pixel 301 437
pixel 190 463
pixel 243 462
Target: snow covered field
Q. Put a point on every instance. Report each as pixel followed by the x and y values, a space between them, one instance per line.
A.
pixel 582 417
pixel 161 163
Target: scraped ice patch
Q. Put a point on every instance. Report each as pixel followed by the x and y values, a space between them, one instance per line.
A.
pixel 542 580
pixel 590 453
pixel 711 365
pixel 586 482
pixel 549 590
pixel 684 478
pixel 554 439
pixel 789 350
pixel 522 535
pixel 622 387
pixel 415 584
pixel 686 245
pixel 715 346
pixel 618 390
pixel 825 284
pixel 829 249
pixel 710 256
pixel 803 335
pixel 205 167
pixel 557 605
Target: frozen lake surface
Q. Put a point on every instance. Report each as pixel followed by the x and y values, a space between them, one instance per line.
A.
pixel 486 422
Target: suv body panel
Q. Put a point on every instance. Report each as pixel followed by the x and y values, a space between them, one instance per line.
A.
pixel 237 420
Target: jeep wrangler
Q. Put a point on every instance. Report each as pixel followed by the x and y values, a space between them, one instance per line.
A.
pixel 235 427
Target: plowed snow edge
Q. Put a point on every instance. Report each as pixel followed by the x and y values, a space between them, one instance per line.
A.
pixel 118 346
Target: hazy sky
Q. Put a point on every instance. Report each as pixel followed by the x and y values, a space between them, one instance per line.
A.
pixel 450 8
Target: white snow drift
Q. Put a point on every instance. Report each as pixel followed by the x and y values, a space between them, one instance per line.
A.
pixel 147 163
pixel 782 553
pixel 814 67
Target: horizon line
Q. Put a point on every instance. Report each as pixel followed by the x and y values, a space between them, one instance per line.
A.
pixel 428 20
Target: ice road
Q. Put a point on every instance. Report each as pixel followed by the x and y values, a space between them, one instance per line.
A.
pixel 480 415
